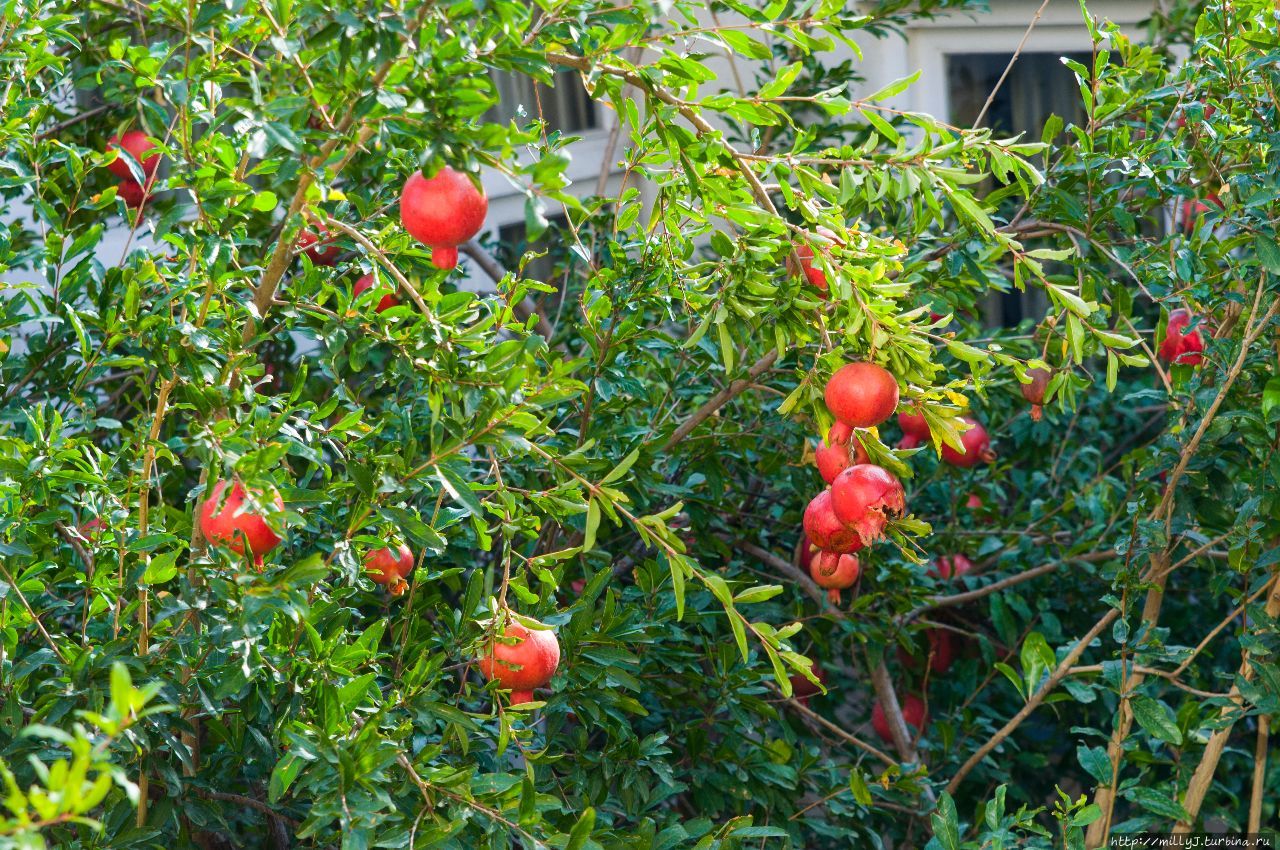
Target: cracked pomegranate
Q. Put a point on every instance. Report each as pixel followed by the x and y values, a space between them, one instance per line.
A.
pixel 865 497
pixel 390 566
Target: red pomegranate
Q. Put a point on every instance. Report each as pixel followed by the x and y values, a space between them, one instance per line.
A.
pixel 825 530
pixel 365 283
pixel 942 651
pixel 804 251
pixel 973 503
pixel 442 212
pixel 864 496
pixel 908 442
pixel 136 143
pixel 834 572
pixel 802 689
pixel 912 712
pixel 862 394
pixel 237 519
pixel 390 566
pixel 133 195
pixel 914 425
pixel 950 566
pixel 1179 346
pixel 524 660
pixel 318 246
pixel 838 452
pixel 1193 209
pixel 1034 391
pixel 807 551
pixel 977 446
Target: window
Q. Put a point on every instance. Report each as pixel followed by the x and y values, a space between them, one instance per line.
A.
pixel 566 105
pixel 1038 86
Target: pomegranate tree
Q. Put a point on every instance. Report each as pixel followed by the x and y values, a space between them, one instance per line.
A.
pixel 442 212
pixel 865 497
pixel 834 572
pixel 862 395
pixel 364 284
pixel 912 713
pixel 390 566
pixel 1179 346
pixel 237 519
pixel 825 530
pixel 838 452
pixel 521 660
pixel 1034 391
pixel 977 446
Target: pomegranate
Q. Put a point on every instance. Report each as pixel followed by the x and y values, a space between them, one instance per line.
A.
pixel 804 251
pixel 950 566
pixel 914 425
pixel 365 283
pixel 1034 391
pixel 977 446
pixel 862 394
pixel 524 660
pixel 233 519
pixel 864 496
pixel 807 551
pixel 838 452
pixel 973 503
pixel 442 212
pixel 909 442
pixel 942 651
pixel 318 246
pixel 136 144
pixel 390 566
pixel 825 530
pixel 802 689
pixel 133 195
pixel 912 713
pixel 1179 346
pixel 834 572
pixel 1193 209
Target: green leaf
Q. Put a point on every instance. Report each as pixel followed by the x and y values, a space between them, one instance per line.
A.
pixel 858 785
pixel 1268 252
pixel 282 776
pixel 1156 718
pixel 581 830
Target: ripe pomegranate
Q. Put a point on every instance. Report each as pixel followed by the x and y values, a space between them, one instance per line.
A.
pixel 838 452
pixel 834 572
pixel 385 303
pixel 807 551
pixel 318 246
pixel 232 519
pixel 950 566
pixel 914 425
pixel 1193 209
pixel 909 442
pixel 973 503
pixel 804 251
pixel 862 394
pixel 977 446
pixel 942 651
pixel 912 713
pixel 136 143
pixel 864 496
pixel 1179 346
pixel 526 660
pixel 133 195
pixel 824 528
pixel 390 566
pixel 1034 391
pixel 442 212
pixel 802 689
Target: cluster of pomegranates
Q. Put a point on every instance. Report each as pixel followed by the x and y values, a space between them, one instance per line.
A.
pixel 240 519
pixel 137 144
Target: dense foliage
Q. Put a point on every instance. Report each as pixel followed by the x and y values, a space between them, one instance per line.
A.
pixel 621 448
